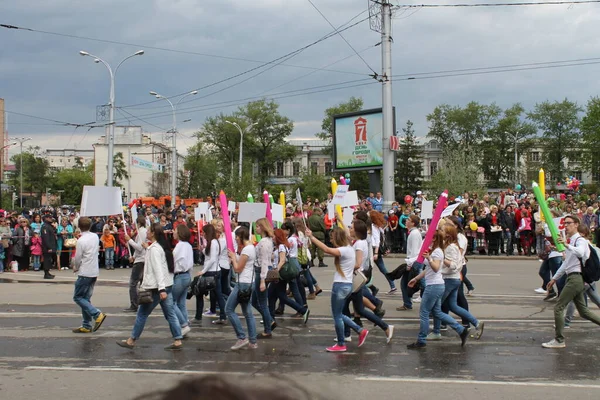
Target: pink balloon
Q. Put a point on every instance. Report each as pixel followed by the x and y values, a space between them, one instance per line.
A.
pixel 226 220
pixel 267 201
pixel 437 214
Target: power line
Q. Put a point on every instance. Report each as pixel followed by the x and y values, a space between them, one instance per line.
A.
pixel 342 36
pixel 63 123
pixel 519 4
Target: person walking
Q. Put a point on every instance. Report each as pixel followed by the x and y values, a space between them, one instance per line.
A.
pixel 377 237
pixel 139 253
pixel 316 223
pixel 159 266
pixel 183 256
pixel 576 253
pixel 264 252
pixel 413 247
pixel 48 234
pixel 85 265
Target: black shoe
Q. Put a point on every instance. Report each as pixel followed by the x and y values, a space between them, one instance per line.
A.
pixel 278 312
pixel 357 321
pixel 130 309
pixel 550 296
pixel 464 336
pixel 380 313
pixel 374 290
pixel 443 328
pixel 273 326
pixel 416 346
pixel 322 264
pixel 48 276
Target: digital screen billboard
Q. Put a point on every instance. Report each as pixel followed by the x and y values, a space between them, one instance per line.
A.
pixel 358 140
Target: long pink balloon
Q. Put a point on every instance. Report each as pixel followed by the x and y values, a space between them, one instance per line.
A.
pixel 437 214
pixel 226 220
pixel 267 201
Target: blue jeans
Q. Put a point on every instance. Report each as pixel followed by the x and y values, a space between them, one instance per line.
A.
pixel 181 282
pixel 431 303
pixel 406 299
pixel 384 271
pixel 359 308
pixel 340 292
pixel 296 285
pixel 36 262
pixel 233 318
pixel 109 256
pixel 168 309
pixel 84 289
pixel 259 300
pixel 451 294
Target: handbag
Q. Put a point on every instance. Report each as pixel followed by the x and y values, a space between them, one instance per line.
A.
pixel 144 296
pixel 272 276
pixel 358 281
pixel 245 295
pixel 288 272
pixel 71 242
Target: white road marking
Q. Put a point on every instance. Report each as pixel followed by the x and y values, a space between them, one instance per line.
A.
pixel 149 371
pixel 474 382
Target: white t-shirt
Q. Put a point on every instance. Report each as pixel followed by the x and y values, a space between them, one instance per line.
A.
pixel 347 261
pixel 246 275
pixel 463 244
pixel 293 241
pixel 432 277
pixel 280 249
pixel 224 256
pixel 362 246
pixel 453 255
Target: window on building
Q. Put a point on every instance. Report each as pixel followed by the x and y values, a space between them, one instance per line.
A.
pixel 534 156
pixel 328 168
pixel 577 175
pixel 296 169
pixel 314 167
pixel 279 168
pixel 68 160
pixel 433 168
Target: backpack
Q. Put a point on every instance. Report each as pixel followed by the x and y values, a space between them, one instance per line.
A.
pixel 590 270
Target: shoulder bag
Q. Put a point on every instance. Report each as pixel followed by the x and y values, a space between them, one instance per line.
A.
pixel 144 296
pixel 358 281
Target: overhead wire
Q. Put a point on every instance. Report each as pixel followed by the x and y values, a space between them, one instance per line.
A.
pixel 517 4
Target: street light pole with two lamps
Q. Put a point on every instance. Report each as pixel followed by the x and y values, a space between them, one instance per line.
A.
pixel 242 132
pixel 174 144
pixel 111 114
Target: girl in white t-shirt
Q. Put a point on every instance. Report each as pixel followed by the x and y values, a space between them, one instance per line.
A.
pixel 345 263
pixel 431 300
pixel 243 264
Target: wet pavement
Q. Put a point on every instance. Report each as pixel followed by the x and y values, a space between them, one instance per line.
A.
pixel 36 319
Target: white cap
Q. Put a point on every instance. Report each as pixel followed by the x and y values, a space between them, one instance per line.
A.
pixel 419 192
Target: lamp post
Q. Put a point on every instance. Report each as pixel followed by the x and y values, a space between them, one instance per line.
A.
pixel 174 144
pixel 516 177
pixel 21 141
pixel 1 177
pixel 242 132
pixel 111 113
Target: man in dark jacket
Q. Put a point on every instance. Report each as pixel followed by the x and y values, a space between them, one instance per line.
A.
pixel 48 234
pixel 317 226
pixel 509 226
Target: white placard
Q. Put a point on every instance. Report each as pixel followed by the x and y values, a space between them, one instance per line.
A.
pixel 450 209
pixel 250 212
pixel 350 199
pixel 231 206
pixel 348 216
pixel 331 211
pixel 100 201
pixel 299 197
pixel 340 194
pixel 560 225
pixel 427 209
pixel 200 210
pixel 134 214
pixel 277 212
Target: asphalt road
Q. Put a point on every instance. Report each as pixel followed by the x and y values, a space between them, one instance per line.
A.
pixel 41 357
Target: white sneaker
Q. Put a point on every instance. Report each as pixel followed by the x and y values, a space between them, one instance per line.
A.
pixel 388 338
pixel 185 330
pixel 434 336
pixel 240 343
pixel 417 300
pixel 347 339
pixel 554 344
pixel 540 291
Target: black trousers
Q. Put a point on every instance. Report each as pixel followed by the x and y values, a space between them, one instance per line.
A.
pixel 48 257
pixel 137 272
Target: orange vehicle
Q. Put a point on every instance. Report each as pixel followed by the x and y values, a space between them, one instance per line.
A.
pixel 163 200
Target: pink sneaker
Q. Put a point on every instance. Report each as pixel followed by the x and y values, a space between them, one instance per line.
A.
pixel 362 337
pixel 336 349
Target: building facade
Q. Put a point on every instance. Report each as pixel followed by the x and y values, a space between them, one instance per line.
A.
pixel 147 163
pixel 68 158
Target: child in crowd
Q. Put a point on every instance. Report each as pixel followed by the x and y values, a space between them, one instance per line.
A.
pixel 108 243
pixel 36 250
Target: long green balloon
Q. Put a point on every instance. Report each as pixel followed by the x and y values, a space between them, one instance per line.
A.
pixel 537 191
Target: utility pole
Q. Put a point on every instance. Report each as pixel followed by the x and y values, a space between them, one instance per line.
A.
pixel 21 141
pixel 389 195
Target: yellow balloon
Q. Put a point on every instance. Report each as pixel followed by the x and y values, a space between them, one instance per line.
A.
pixel 473 226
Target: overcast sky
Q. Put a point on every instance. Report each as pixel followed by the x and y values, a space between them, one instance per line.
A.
pixel 43 74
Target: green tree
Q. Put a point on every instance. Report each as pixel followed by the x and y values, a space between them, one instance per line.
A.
pixel 72 181
pixel 463 129
pixel 314 185
pixel 202 172
pixel 590 129
pixel 120 169
pixel 354 104
pixel 558 123
pixel 35 174
pixel 498 146
pixel 459 175
pixel 409 167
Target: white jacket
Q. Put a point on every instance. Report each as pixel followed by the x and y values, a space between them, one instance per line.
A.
pixel 156 271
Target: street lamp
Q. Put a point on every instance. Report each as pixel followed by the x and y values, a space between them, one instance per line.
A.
pixel 242 132
pixel 2 177
pixel 111 101
pixel 21 141
pixel 174 144
pixel 516 179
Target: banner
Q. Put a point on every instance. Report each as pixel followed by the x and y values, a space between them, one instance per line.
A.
pixel 147 165
pixel 99 201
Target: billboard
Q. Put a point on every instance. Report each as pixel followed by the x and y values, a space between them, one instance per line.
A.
pixel 358 140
